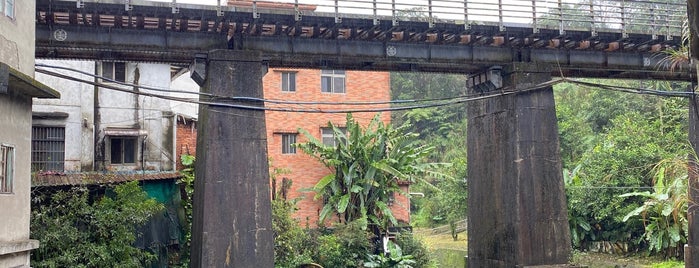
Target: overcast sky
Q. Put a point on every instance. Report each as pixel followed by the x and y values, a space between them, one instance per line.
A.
pixel 199 2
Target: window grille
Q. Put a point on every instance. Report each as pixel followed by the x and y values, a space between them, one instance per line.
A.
pixel 48 148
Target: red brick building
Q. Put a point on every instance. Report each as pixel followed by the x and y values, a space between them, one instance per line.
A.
pixel 335 86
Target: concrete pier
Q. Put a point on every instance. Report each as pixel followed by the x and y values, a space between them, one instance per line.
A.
pixel 232 224
pixel 517 205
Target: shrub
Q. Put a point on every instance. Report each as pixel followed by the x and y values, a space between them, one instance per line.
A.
pixel 416 248
pixel 75 232
pixel 290 242
pixel 347 246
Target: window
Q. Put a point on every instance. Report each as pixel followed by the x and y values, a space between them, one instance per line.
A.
pixel 114 71
pixel 123 150
pixel 328 136
pixel 7 165
pixel 288 81
pixel 332 81
pixel 288 141
pixel 8 8
pixel 48 148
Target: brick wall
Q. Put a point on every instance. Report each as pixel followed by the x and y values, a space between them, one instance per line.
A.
pixel 303 170
pixel 186 138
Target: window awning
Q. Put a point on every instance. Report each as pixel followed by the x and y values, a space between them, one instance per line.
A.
pixel 12 79
pixel 111 131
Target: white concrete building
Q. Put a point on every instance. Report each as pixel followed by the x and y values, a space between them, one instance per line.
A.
pixel 93 128
pixel 17 88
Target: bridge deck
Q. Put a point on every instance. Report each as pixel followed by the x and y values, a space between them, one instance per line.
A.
pixel 305 35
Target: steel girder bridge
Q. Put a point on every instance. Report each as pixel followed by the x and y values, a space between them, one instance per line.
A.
pixel 517 208
pixel 585 38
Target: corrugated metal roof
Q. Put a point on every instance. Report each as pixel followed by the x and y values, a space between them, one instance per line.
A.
pixel 96 178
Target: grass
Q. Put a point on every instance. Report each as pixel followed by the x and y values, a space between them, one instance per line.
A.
pixel 441 240
pixel 604 260
pixel 449 253
pixel 443 248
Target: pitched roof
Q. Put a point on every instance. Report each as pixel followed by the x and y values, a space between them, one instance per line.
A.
pixel 97 178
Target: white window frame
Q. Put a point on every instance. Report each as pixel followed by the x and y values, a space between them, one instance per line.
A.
pixel 288 141
pixel 330 81
pixel 288 81
pixel 113 73
pixel 327 134
pixel 7 168
pixel 8 8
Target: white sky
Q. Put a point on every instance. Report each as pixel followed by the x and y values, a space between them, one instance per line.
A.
pixel 198 2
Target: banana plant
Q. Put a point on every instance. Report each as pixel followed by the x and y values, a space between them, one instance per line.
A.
pixel 366 167
pixel 664 213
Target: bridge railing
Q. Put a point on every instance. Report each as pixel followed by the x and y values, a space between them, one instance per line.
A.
pixel 651 17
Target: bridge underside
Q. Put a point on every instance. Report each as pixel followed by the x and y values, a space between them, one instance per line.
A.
pixel 516 194
pixel 103 31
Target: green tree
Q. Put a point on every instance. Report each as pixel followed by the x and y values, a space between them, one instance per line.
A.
pixel 612 141
pixel 367 165
pixel 443 128
pixel 292 246
pixel 75 232
pixel 187 181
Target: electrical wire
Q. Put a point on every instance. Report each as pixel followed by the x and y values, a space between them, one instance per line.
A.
pixel 119 82
pixel 609 187
pixel 219 98
pixel 458 100
pixel 681 94
pixel 275 101
pixel 430 103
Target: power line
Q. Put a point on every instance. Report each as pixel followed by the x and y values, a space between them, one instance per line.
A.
pixel 216 101
pixel 219 98
pixel 119 82
pixel 450 101
pixel 662 93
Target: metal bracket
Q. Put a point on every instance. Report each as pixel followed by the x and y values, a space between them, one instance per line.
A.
pixel 127 5
pixel 486 81
pixel 4 78
pixel 255 14
pixel 198 69
pixel 219 10
pixel 298 15
pixel 174 7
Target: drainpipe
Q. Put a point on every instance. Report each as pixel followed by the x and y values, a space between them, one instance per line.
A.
pixel 97 122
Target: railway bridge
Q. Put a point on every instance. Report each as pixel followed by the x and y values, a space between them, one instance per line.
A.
pixel 517 206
